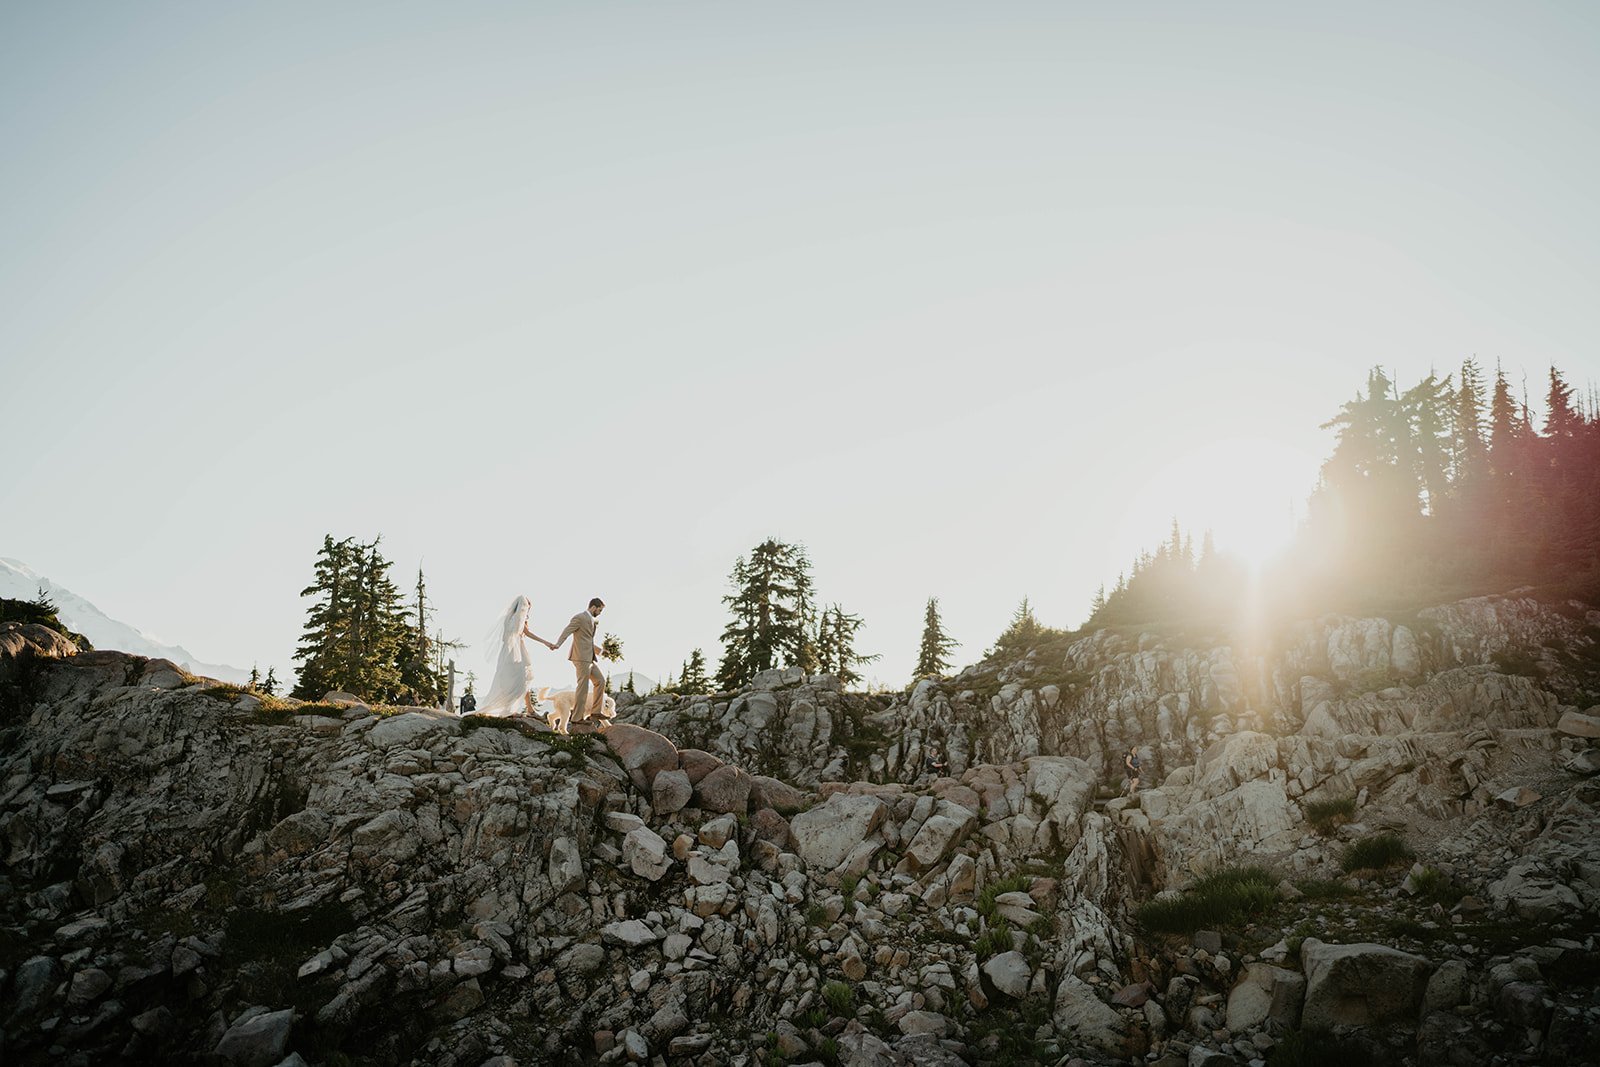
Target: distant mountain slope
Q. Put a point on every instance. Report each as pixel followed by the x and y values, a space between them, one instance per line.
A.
pixel 20 582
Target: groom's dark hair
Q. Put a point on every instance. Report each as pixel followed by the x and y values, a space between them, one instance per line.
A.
pixel 597 603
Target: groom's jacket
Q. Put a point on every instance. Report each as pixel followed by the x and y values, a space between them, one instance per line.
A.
pixel 581 630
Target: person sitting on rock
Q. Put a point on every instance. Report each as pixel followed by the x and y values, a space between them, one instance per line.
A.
pixel 1131 762
pixel 934 762
pixel 469 703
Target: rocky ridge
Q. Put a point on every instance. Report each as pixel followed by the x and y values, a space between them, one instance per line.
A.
pixel 773 876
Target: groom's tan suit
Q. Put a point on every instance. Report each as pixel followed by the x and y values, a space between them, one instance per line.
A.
pixel 581 630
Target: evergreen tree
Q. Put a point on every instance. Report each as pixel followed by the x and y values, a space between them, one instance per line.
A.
pixel 1468 449
pixel 419 659
pixel 269 686
pixel 1427 407
pixel 322 649
pixel 357 632
pixel 1503 429
pixel 1560 419
pixel 836 645
pixel 933 654
pixel 693 679
pixel 255 678
pixel 773 615
pixel 1024 629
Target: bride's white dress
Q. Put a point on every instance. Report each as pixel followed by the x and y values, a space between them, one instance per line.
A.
pixel 513 673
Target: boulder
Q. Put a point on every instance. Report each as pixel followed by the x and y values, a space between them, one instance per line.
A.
pixel 768 825
pixel 1575 723
pixel 726 789
pixel 827 833
pixel 645 853
pixel 939 836
pixel 1010 972
pixel 257 1039
pixel 718 831
pixel 1530 893
pixel 566 865
pixel 1251 1001
pixel 406 730
pixel 1361 985
pixel 642 753
pixel 1518 796
pixel 767 792
pixel 1081 1014
pixel 671 791
pixel 629 934
pixel 697 764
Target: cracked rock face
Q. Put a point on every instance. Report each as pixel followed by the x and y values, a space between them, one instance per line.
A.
pixel 192 875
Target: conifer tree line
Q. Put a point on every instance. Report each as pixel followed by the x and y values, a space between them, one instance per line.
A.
pixel 362 636
pixel 1451 487
pixel 776 621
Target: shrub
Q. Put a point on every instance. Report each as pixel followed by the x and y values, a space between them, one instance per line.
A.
pixel 995 940
pixel 1431 885
pixel 1375 852
pixel 1327 815
pixel 839 998
pixel 985 903
pixel 816 915
pixel 1219 899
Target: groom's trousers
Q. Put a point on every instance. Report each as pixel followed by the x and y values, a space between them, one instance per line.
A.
pixel 587 673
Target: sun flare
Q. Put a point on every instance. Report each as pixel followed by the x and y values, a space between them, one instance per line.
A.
pixel 1247 491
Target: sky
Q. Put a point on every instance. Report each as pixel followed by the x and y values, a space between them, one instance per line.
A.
pixel 589 299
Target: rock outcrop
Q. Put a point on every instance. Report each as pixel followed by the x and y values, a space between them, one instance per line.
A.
pixel 195 874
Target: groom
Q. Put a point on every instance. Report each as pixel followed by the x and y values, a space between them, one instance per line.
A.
pixel 581 629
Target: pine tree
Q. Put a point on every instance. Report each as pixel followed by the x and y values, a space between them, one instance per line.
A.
pixel 1024 629
pixel 1426 407
pixel 773 615
pixel 255 678
pixel 356 627
pixel 693 680
pixel 269 686
pixel 1502 428
pixel 1468 449
pixel 933 655
pixel 836 648
pixel 322 649
pixel 1560 419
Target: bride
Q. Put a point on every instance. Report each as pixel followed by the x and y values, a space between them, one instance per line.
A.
pixel 513 674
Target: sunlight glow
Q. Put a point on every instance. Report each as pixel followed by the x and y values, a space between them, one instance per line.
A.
pixel 1249 491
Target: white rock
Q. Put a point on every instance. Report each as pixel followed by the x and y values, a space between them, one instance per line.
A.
pixel 1010 973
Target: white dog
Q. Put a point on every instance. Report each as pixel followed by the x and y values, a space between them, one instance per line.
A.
pixel 560 715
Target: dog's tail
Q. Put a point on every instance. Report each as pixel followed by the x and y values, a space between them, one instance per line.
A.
pixel 544 694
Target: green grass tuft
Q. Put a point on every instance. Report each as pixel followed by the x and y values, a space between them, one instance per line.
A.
pixel 1219 899
pixel 1374 853
pixel 1015 884
pixel 995 940
pixel 1325 816
pixel 839 998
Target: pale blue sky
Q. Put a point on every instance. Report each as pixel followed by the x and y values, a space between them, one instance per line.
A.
pixel 588 299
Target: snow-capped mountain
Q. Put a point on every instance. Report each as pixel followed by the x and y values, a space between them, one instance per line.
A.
pixel 19 582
